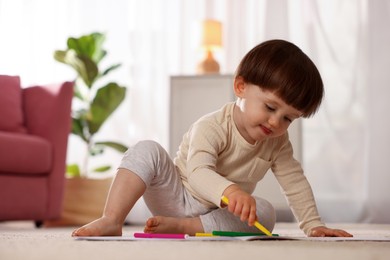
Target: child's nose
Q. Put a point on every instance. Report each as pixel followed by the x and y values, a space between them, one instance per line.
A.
pixel 274 121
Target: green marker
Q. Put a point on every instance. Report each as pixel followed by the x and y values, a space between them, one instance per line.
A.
pixel 238 234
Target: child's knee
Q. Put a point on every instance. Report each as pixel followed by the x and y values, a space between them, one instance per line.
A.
pixel 141 158
pixel 266 213
pixel 148 145
pixel 149 149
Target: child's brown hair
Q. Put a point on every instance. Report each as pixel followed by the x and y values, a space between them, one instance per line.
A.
pixel 281 67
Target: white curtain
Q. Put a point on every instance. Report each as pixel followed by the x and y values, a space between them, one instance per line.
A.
pixel 345 146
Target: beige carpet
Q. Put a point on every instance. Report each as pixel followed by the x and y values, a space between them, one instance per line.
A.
pixel 20 240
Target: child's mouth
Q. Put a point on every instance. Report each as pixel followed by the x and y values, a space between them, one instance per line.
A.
pixel 266 130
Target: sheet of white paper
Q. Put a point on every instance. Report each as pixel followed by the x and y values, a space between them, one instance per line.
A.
pixel 242 238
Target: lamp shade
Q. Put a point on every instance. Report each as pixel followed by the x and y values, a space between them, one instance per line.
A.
pixel 212 34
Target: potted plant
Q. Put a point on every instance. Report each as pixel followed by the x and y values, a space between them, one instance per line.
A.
pixel 92 105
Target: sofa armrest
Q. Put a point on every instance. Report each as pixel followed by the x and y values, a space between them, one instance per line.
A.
pixel 47 111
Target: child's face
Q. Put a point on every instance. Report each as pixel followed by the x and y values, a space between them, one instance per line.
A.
pixel 260 114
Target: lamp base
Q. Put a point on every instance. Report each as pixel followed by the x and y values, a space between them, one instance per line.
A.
pixel 208 65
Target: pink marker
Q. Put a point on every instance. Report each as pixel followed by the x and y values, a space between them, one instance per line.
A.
pixel 162 236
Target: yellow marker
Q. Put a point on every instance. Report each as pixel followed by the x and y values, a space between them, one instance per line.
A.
pixel 257 224
pixel 204 235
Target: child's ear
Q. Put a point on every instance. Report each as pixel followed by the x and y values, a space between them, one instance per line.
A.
pixel 239 86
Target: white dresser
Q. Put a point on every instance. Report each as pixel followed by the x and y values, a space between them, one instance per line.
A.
pixel 194 96
pixel 191 97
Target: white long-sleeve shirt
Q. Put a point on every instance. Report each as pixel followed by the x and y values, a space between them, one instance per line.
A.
pixel 213 155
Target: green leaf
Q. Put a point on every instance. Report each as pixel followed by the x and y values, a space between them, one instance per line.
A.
pixel 86 68
pixel 111 68
pixel 117 146
pixel 107 99
pixel 89 71
pixel 77 93
pixel 90 45
pixel 60 56
pixel 102 168
pixel 73 170
pixel 78 128
pixel 96 149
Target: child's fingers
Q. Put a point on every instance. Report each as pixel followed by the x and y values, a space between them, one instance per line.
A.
pixel 252 216
pixel 245 213
pixel 243 206
pixel 238 209
pixel 232 206
pixel 328 232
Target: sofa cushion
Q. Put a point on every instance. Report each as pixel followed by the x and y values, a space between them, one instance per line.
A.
pixel 26 154
pixel 11 110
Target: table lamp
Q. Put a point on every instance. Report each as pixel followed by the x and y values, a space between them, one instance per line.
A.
pixel 211 40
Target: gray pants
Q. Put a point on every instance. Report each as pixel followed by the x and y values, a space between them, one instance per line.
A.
pixel 166 195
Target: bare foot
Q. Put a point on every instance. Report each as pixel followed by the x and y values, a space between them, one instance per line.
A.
pixel 159 224
pixel 103 226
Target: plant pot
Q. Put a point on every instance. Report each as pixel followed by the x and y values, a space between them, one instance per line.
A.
pixel 84 201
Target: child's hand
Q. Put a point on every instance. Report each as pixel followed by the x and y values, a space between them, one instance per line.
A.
pixel 328 232
pixel 241 204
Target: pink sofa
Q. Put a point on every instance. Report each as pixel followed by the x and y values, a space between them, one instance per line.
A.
pixel 34 128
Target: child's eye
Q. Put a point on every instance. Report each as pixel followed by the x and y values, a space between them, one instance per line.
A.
pixel 269 108
pixel 288 119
